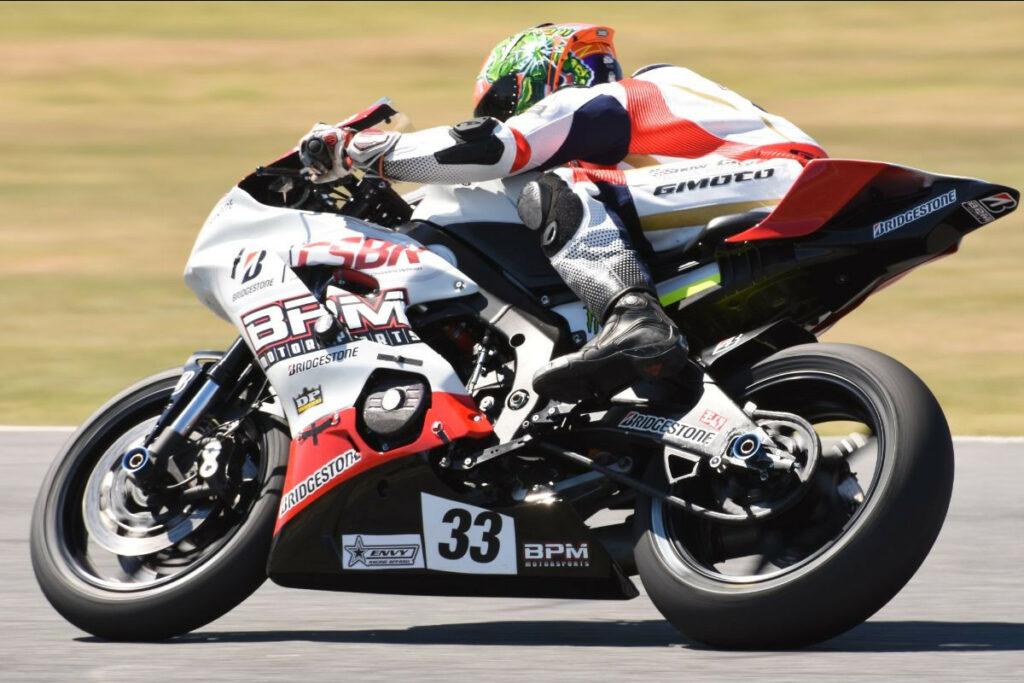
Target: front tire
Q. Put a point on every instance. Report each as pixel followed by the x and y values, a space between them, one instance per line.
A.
pixel 213 556
pixel 837 557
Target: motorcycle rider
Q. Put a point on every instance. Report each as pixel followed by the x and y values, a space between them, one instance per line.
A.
pixel 553 97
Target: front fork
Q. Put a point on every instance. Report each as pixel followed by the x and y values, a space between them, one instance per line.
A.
pixel 199 389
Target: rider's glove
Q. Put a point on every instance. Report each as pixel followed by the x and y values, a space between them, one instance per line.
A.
pixel 322 151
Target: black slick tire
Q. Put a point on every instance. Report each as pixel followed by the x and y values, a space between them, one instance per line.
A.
pixel 881 548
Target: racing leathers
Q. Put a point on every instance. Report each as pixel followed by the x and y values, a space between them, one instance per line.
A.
pixel 663 149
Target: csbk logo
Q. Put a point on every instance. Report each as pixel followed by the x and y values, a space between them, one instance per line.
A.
pixel 355 253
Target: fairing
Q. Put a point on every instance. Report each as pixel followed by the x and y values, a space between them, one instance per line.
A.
pixel 396 529
pixel 845 230
pixel 332 450
pixel 828 187
pixel 240 268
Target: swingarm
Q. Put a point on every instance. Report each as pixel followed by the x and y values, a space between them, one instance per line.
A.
pixel 713 439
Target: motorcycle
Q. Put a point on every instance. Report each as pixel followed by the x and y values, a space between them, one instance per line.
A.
pixel 374 426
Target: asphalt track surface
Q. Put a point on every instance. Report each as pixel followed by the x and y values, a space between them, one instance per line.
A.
pixel 960 619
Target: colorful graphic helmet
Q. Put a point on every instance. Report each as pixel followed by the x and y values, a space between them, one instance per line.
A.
pixel 527 67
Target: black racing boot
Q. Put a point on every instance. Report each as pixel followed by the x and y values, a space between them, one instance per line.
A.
pixel 591 250
pixel 638 342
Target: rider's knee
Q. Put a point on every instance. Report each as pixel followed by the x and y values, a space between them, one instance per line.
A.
pixel 550 206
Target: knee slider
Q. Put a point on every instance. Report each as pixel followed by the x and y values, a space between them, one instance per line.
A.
pixel 550 206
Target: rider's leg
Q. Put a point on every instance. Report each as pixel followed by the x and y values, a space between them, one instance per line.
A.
pixel 591 250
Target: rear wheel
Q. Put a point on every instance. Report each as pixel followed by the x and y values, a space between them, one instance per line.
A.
pixel 865 523
pixel 126 563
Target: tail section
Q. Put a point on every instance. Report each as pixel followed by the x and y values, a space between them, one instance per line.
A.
pixel 883 196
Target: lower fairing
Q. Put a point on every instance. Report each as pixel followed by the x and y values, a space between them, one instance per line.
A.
pixel 399 520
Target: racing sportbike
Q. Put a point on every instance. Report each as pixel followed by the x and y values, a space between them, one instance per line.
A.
pixel 374 426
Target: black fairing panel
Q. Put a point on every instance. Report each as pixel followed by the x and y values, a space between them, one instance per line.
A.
pixel 897 222
pixel 386 500
pixel 513 248
pixel 499 287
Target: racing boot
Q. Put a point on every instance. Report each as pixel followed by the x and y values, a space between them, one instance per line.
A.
pixel 591 250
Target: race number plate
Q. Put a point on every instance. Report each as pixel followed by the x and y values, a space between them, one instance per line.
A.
pixel 467 539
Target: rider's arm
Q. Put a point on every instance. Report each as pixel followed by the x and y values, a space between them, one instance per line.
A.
pixel 584 124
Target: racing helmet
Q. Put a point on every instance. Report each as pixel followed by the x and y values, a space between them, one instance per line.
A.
pixel 530 65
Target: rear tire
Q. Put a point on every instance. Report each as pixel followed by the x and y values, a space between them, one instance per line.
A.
pixel 860 565
pixel 192 592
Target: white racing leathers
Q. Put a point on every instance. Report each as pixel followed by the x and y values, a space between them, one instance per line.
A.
pixel 667 149
pixel 685 148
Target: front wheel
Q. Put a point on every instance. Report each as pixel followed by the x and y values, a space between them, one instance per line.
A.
pixel 126 563
pixel 866 522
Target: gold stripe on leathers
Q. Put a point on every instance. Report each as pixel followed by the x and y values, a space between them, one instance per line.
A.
pixel 700 215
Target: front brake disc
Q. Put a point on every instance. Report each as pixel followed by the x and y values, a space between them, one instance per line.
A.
pixel 118 520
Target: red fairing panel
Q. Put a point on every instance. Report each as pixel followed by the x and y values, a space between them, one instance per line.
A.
pixel 331 451
pixel 821 191
pixel 358 119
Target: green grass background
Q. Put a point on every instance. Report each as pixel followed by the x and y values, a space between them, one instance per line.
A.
pixel 121 124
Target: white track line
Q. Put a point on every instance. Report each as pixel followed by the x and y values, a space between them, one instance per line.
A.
pixel 979 439
pixel 991 439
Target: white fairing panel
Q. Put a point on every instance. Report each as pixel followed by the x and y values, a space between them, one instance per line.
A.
pixel 239 269
pixel 493 201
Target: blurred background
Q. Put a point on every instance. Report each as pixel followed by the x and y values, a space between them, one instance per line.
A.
pixel 121 124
